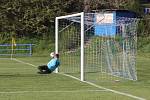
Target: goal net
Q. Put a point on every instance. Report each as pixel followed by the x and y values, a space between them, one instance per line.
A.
pixel 95 49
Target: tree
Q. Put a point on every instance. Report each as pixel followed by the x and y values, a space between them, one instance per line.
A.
pixel 87 6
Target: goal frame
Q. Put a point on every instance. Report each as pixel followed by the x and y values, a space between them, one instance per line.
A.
pixel 123 66
pixel 82 40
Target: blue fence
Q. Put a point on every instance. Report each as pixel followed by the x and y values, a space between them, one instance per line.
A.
pixel 17 50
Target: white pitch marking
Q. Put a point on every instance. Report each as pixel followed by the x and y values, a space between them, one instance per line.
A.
pixel 24 62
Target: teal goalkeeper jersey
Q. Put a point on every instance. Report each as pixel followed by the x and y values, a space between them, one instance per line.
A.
pixel 53 64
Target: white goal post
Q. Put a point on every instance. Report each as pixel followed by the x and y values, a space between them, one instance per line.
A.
pixel 82 39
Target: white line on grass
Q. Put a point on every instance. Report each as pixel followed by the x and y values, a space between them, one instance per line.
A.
pixel 24 62
pixel 71 91
pixel 100 87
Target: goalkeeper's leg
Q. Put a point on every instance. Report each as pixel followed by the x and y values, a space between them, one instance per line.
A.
pixel 44 69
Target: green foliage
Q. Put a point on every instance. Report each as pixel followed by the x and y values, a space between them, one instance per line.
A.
pixel 144 44
pixel 144 28
pixel 44 45
pixel 5 38
pixel 133 5
pixel 32 16
pixel 34 19
pixel 144 35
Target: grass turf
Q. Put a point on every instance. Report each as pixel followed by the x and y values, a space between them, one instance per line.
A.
pixel 20 81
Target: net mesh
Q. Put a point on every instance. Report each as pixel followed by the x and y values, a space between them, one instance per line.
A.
pixel 69 46
pixel 108 54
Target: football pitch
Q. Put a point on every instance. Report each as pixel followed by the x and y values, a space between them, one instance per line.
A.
pixel 19 80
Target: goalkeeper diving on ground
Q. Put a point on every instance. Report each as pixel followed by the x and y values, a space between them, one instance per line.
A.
pixel 51 65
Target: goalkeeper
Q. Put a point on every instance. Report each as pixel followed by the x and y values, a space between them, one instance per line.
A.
pixel 51 65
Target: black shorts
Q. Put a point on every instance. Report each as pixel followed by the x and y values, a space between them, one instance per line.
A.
pixel 44 69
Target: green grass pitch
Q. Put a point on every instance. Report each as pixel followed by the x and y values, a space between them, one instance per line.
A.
pixel 19 81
